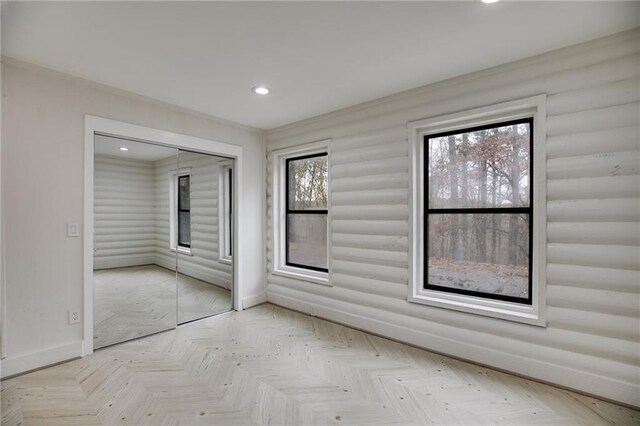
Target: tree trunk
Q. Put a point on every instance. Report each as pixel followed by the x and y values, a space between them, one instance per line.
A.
pixel 481 243
pixel 494 218
pixel 453 176
pixel 515 196
pixel 464 196
pixel 312 183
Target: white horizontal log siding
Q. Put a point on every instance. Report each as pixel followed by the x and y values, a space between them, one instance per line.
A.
pixel 132 215
pixel 124 212
pixel 591 342
pixel 203 263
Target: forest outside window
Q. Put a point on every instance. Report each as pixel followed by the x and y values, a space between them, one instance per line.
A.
pixel 478 191
pixel 306 212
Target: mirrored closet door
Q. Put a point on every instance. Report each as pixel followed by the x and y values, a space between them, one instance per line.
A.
pixel 204 223
pixel 134 278
pixel 163 223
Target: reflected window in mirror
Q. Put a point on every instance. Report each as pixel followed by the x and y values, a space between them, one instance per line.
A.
pixel 184 211
pixel 180 206
pixel 226 214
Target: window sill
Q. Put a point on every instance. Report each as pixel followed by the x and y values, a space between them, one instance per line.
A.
pixel 476 305
pixel 182 250
pixel 315 277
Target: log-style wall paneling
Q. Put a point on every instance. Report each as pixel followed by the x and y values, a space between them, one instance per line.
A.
pixel 124 212
pixel 592 338
pixel 203 262
pixel 132 215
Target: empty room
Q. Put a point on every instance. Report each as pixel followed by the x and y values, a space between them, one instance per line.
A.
pixel 320 213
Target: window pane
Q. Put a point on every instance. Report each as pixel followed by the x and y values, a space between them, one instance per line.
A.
pixel 307 239
pixel 486 253
pixel 184 229
pixel 484 168
pixel 308 184
pixel 184 193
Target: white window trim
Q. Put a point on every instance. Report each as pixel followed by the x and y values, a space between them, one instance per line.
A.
pixel 279 158
pixel 533 314
pixel 223 213
pixel 173 210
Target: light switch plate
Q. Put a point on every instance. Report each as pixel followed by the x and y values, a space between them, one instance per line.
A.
pixel 73 229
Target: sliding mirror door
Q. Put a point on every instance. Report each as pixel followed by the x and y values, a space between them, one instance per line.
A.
pixel 201 233
pixel 163 238
pixel 135 291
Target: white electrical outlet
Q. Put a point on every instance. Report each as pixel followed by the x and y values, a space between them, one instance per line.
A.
pixel 74 317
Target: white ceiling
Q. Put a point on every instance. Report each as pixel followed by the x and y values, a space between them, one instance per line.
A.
pixel 146 151
pixel 107 145
pixel 316 56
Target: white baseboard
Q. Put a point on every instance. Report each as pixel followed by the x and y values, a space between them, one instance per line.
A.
pixel 122 263
pixel 208 277
pixel 195 273
pixel 164 264
pixel 253 300
pixel 580 381
pixel 11 366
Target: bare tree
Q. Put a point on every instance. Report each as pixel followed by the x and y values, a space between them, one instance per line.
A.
pixel 453 176
pixel 515 195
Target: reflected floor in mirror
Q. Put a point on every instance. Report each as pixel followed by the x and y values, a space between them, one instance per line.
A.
pixel 136 301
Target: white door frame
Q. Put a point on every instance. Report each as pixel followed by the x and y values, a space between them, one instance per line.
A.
pixel 162 137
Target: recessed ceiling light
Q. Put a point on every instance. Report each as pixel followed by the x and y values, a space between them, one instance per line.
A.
pixel 260 90
pixel 489 1
pixel 122 148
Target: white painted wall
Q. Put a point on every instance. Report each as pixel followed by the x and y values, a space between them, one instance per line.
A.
pixel 42 187
pixel 592 341
pixel 124 212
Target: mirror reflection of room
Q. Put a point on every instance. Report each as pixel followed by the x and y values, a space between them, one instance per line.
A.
pixel 157 212
pixel 200 226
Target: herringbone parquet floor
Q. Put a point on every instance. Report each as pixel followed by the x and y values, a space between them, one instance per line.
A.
pixel 141 300
pixel 271 366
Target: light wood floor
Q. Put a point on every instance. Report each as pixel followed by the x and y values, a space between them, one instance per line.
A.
pixel 271 366
pixel 137 301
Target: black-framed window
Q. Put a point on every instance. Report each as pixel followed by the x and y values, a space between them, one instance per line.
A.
pixel 478 195
pixel 184 211
pixel 306 211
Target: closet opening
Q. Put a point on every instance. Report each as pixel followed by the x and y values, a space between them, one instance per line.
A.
pixel 162 237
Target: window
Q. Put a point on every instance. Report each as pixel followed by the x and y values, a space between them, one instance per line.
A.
pixel 479 207
pixel 225 216
pixel 229 213
pixel 184 211
pixel 306 208
pixel 478 216
pixel 180 210
pixel 301 203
